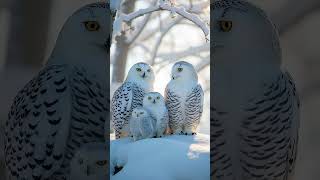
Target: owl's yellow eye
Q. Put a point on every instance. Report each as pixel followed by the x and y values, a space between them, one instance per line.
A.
pixel 148 70
pixel 141 112
pixel 158 97
pixel 225 26
pixel 149 98
pixel 101 163
pixel 180 69
pixel 92 25
pixel 138 69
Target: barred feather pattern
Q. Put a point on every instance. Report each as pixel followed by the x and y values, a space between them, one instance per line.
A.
pixel 184 112
pixel 194 108
pixel 44 129
pixel 268 136
pixel 127 97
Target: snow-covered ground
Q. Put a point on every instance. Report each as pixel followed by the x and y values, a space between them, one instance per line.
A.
pixel 176 157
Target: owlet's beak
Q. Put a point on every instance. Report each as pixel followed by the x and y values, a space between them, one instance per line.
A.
pixel 154 101
pixel 144 75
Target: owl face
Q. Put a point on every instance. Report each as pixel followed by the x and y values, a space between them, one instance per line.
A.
pixel 153 99
pixel 90 160
pixel 183 71
pixel 138 113
pixel 88 29
pixel 242 31
pixel 142 71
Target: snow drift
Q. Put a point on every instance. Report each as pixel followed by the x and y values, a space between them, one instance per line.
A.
pixel 176 157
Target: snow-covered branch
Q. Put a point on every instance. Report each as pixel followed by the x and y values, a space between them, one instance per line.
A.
pixel 162 6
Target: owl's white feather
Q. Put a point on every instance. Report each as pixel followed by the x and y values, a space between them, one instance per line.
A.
pixel 184 99
pixel 155 104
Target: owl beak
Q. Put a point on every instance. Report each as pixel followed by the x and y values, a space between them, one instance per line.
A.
pixel 144 75
pixel 154 101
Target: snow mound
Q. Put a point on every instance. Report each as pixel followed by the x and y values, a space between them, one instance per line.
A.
pixel 168 158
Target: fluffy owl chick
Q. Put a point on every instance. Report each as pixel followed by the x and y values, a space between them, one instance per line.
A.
pixel 155 104
pixel 255 106
pixel 65 105
pixel 184 99
pixel 142 124
pixel 90 162
pixel 130 95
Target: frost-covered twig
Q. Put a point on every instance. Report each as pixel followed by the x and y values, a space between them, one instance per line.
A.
pixel 162 6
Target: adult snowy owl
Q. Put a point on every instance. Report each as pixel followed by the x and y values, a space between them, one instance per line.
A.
pixel 155 104
pixel 142 124
pixel 90 162
pixel 130 95
pixel 65 105
pixel 255 107
pixel 184 99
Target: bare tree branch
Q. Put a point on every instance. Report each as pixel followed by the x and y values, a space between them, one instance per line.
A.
pixel 163 34
pixel 196 9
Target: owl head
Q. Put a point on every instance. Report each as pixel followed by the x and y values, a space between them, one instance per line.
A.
pixel 90 161
pixel 242 32
pixel 152 99
pixel 183 71
pixel 85 37
pixel 139 112
pixel 141 73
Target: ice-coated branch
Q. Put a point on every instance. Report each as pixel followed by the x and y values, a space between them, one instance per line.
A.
pixel 163 6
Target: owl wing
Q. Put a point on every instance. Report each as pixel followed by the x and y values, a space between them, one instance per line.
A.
pixel 194 107
pixel 270 131
pixel 38 126
pixel 173 104
pixel 163 125
pixel 127 97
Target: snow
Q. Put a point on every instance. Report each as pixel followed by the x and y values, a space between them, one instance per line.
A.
pixel 171 157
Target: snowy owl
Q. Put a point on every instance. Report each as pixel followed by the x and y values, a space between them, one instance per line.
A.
pixel 255 106
pixel 184 99
pixel 142 124
pixel 155 104
pixel 130 95
pixel 90 162
pixel 65 104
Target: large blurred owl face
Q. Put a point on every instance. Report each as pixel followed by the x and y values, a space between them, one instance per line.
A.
pixel 241 30
pixel 138 113
pixel 142 71
pixel 183 71
pixel 90 26
pixel 153 99
pixel 91 160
